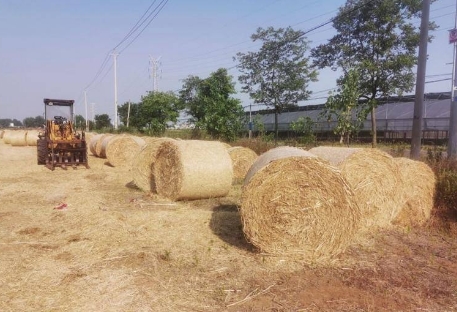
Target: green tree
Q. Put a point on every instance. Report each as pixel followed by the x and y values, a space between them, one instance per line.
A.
pixel 279 73
pixel 343 107
pixel 211 107
pixel 102 121
pixel 80 122
pixel 304 127
pixel 156 110
pixel 378 38
pixel 133 116
pixel 34 122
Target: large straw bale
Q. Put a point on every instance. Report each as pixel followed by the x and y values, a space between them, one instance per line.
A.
pixel 143 161
pixel 274 154
pixel 419 187
pixel 242 160
pixel 1 133
pixel 298 205
pixel 7 136
pixel 374 178
pixel 32 137
pixel 18 138
pixel 192 170
pixel 98 143
pixel 93 143
pixel 121 149
pixel 103 143
pixel 88 136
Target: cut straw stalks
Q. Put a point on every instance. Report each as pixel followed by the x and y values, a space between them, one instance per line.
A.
pixel 242 160
pixel 121 149
pixel 192 170
pixel 419 187
pixel 296 205
pixel 374 178
pixel 143 161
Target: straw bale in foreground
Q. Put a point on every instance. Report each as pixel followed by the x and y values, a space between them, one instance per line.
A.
pixel 299 206
pixel 274 154
pixel 242 160
pixel 121 149
pixel 143 161
pixel 419 186
pixel 374 178
pixel 192 170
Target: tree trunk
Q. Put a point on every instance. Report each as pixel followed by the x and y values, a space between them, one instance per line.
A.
pixel 373 127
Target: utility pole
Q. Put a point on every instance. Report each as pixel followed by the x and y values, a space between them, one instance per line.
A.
pixel 93 112
pixel 452 143
pixel 420 82
pixel 154 63
pixel 85 105
pixel 114 54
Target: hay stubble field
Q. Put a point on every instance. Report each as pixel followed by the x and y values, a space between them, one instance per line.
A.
pixel 111 247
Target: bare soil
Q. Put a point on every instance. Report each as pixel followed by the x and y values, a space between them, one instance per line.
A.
pixel 88 240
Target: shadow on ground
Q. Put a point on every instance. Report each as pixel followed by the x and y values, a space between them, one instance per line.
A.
pixel 226 223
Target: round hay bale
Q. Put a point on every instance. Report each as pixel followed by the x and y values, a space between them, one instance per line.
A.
pixel 242 160
pixel 121 149
pixel 93 143
pixel 192 170
pixel 226 145
pixel 32 137
pixel 142 164
pixel 274 154
pixel 1 133
pixel 100 148
pixel 374 178
pixel 88 136
pixel 419 186
pixel 18 138
pixel 298 206
pixel 7 136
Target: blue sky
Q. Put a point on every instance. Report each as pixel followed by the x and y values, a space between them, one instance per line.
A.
pixel 54 48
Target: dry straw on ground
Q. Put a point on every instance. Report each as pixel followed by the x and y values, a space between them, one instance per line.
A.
pixel 297 205
pixel 419 186
pixel 143 161
pixel 374 178
pixel 32 137
pixel 192 170
pixel 242 160
pixel 121 149
pixel 18 138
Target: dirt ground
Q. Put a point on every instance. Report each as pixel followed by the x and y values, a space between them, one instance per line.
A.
pixel 114 248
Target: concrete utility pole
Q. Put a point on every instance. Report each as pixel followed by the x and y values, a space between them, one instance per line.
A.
pixel 114 54
pixel 250 121
pixel 452 143
pixel 85 105
pixel 420 83
pixel 154 63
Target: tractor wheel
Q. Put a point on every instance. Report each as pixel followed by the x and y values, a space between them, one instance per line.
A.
pixel 42 151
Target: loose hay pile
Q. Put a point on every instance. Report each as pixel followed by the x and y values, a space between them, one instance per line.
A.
pixel 121 150
pixel 419 186
pixel 242 160
pixel 143 161
pixel 373 176
pixel 192 170
pixel 294 204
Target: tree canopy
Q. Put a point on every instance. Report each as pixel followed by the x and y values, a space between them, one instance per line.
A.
pixel 279 73
pixel 102 121
pixel 34 122
pixel 379 40
pixel 210 105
